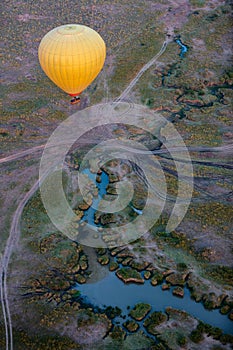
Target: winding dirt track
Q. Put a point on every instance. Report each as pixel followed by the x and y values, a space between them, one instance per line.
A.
pixel 143 70
pixel 21 154
pixel 227 149
pixel 12 239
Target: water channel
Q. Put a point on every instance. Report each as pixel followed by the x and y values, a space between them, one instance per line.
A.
pixel 111 291
pixel 183 48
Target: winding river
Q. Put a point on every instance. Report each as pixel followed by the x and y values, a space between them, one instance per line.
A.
pixel 183 48
pixel 90 213
pixel 111 291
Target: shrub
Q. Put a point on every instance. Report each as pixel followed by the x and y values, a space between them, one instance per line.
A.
pixel 196 336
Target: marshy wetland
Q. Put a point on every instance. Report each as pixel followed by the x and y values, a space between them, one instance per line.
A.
pixel 164 290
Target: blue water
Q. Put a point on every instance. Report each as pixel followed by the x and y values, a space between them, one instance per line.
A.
pixel 183 48
pixel 89 214
pixel 111 291
pixel 137 211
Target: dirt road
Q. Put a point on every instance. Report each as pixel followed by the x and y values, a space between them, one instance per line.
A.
pixel 12 239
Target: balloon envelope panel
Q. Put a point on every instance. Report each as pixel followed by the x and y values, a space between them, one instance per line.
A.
pixel 72 56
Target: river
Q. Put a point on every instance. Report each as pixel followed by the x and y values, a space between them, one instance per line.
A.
pixel 111 291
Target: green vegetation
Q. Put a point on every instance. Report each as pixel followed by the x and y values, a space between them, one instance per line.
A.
pixel 176 279
pixel 197 3
pixel 140 311
pixel 197 334
pixel 181 266
pixel 128 65
pixel 25 341
pixel 225 309
pixel 157 277
pixel 129 275
pixel 221 215
pixel 117 333
pixel 174 239
pixel 223 274
pixel 182 340
pixel 155 319
pixel 112 312
pixel 103 260
pixel 76 294
pixel 113 266
pixel 136 341
pixel 131 325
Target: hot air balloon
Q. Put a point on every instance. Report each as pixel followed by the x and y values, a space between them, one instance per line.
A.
pixel 72 56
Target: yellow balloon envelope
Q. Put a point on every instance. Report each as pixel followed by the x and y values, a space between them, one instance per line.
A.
pixel 72 56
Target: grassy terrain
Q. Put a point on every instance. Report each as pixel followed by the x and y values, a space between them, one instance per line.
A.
pixel 193 92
